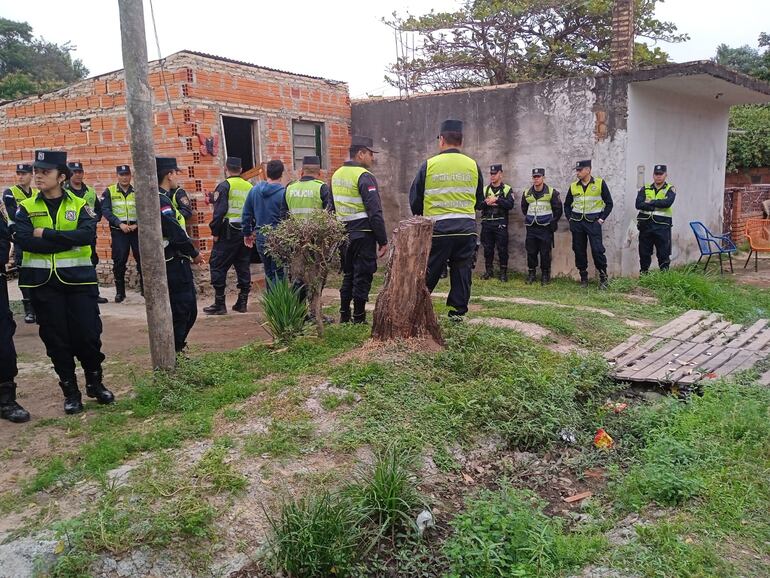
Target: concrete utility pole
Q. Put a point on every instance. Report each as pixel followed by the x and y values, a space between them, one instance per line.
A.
pixel 139 109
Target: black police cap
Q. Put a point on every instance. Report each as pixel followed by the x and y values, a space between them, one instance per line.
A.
pixel 538 172
pixel 165 163
pixel 233 162
pixel 451 126
pixel 364 142
pixel 495 169
pixel 583 165
pixel 311 161
pixel 659 169
pixel 123 170
pixel 23 168
pixel 50 160
pixel 75 166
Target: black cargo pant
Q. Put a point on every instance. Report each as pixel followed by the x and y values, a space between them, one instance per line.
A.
pixel 658 237
pixel 459 251
pixel 229 251
pixel 8 369
pixel 184 302
pixel 494 234
pixel 70 326
pixel 583 233
pixel 359 264
pixel 538 244
pixel 122 245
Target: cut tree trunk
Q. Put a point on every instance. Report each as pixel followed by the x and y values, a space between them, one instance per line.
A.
pixel 404 309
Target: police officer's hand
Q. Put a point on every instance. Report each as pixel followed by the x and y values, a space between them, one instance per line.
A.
pixel 215 238
pixel 600 221
pixel 125 228
pixel 382 250
pixel 249 240
pixel 198 259
pixel 38 232
pixel 491 200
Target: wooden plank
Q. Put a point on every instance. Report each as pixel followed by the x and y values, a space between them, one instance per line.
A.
pixel 727 334
pixel 710 366
pixel 680 323
pixel 764 379
pixel 652 357
pixel 665 362
pixel 683 365
pixel 697 328
pixel 637 352
pixel 760 342
pixel 746 335
pixel 623 347
pixel 743 360
pixel 713 331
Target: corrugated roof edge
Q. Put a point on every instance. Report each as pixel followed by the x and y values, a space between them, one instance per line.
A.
pixel 166 60
pixel 636 75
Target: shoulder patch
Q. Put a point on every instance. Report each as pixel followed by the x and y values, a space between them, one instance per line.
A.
pixel 89 211
pixel 184 199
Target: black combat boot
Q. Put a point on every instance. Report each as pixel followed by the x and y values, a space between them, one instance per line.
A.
pixel 504 274
pixel 531 276
pixel 73 403
pixel 603 281
pixel 120 290
pixel 9 409
pixel 489 273
pixel 359 311
pixel 242 302
pixel 95 388
pixel 29 311
pixel 101 300
pixel 545 278
pixel 218 307
pixel 584 279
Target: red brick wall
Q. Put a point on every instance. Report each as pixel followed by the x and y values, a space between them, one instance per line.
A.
pixel 742 204
pixel 200 90
pixel 746 177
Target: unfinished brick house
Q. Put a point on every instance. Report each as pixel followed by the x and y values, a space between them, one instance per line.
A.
pixel 248 111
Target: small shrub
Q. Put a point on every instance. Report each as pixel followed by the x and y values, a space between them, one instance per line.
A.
pixel 284 310
pixel 315 537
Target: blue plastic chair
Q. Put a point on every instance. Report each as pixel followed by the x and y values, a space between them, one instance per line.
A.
pixel 710 244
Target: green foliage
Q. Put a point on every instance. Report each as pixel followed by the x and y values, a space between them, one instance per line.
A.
pixel 506 533
pixel 689 288
pixel 385 493
pixel 748 144
pixel 283 438
pixel 284 310
pixel 315 537
pixel 31 65
pixel 492 42
pixel 746 59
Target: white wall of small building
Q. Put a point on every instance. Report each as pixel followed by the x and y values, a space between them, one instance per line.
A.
pixel 688 133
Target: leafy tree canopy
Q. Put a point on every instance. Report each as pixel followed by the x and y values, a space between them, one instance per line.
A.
pixel 499 41
pixel 30 65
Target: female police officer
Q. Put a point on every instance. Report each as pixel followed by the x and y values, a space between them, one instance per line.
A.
pixel 55 229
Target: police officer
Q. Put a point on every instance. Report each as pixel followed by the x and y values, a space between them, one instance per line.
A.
pixel 357 203
pixel 654 220
pixel 498 201
pixel 179 252
pixel 88 194
pixel 309 193
pixel 55 229
pixel 119 208
pixel 182 205
pixel 9 408
pixel 229 249
pixel 11 198
pixel 587 205
pixel 448 189
pixel 542 209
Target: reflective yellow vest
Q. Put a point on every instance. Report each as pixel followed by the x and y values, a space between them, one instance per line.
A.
pixel 179 216
pixel 492 212
pixel 71 267
pixel 588 202
pixel 450 187
pixel 20 195
pixel 539 211
pixel 304 197
pixel 123 206
pixel 347 200
pixel 236 199
pixel 89 195
pixel 665 216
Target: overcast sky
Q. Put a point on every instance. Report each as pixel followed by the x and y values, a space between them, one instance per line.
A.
pixel 340 40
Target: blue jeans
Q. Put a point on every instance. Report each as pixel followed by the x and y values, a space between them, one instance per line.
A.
pixel 273 272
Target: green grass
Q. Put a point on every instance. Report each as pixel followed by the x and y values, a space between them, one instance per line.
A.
pixel 284 310
pixel 283 438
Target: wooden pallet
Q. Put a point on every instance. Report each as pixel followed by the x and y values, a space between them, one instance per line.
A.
pixel 697 345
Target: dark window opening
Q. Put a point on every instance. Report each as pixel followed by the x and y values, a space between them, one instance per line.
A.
pixel 241 140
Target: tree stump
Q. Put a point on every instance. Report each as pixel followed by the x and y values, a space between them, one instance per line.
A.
pixel 404 308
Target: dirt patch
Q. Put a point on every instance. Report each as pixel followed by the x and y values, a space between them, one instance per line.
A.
pixel 641 295
pixel 525 301
pixel 553 341
pixel 399 349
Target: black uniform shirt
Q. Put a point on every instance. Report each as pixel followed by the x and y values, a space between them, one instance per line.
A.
pixel 178 240
pixel 183 204
pixel 221 205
